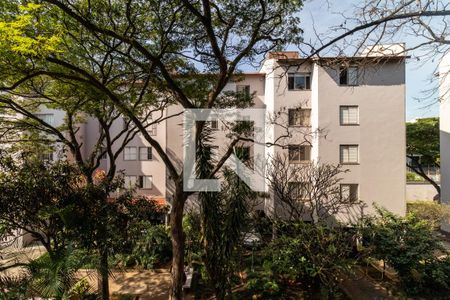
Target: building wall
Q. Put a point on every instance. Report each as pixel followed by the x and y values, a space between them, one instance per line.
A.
pixel 444 123
pixel 381 133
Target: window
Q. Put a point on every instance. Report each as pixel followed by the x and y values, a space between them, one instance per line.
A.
pixel 299 81
pixel 130 181
pixel 214 124
pixel 46 156
pixel 299 190
pixel 349 192
pixel 298 154
pixel 130 153
pixel 145 182
pixel 145 153
pixel 152 130
pixel 243 153
pixel 349 154
pixel 243 91
pixel 349 115
pixel 47 118
pixel 299 117
pixel 348 76
pixel 126 123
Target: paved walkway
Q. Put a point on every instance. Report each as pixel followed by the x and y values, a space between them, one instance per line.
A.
pixel 362 287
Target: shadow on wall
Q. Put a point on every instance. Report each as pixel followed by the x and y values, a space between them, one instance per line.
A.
pixel 377 73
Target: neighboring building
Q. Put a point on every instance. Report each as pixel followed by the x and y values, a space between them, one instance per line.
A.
pixel 444 124
pixel 356 103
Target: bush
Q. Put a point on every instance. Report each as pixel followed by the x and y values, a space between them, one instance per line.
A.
pixel 312 253
pixel 430 211
pixel 407 244
pixel 151 246
pixel 411 176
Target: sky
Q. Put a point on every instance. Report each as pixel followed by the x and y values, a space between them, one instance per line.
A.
pixel 323 14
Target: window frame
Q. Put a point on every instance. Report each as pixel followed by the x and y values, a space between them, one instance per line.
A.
pixel 341 160
pixel 300 161
pixel 341 120
pixel 42 115
pixel 125 154
pixel 349 185
pixel 148 154
pixel 141 182
pixel 126 182
pixel 346 69
pixel 298 110
pixel 299 74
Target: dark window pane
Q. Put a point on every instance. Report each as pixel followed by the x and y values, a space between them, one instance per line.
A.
pixel 291 81
pixel 343 76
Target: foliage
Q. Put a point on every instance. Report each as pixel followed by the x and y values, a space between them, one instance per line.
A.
pixel 423 147
pixel 192 230
pixel 14 288
pixel 411 176
pixel 312 254
pixel 55 276
pixel 422 138
pixel 150 246
pixel 429 211
pixel 407 244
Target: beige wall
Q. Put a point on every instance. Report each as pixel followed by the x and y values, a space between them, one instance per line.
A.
pixel 380 134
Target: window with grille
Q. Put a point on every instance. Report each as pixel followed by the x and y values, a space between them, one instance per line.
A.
pixel 145 153
pixel 130 181
pixel 243 91
pixel 349 115
pixel 152 130
pixel 299 153
pixel 299 81
pixel 349 154
pixel 349 192
pixel 299 190
pixel 299 117
pixel 47 118
pixel 130 153
pixel 348 76
pixel 145 182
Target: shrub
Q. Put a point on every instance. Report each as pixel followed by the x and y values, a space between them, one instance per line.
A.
pixel 407 244
pixel 312 253
pixel 411 176
pixel 151 246
pixel 430 211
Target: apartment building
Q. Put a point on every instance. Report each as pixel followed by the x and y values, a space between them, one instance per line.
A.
pixel 350 110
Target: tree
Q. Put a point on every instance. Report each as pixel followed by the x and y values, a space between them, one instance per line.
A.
pixel 138 61
pixel 40 200
pixel 309 191
pixel 422 138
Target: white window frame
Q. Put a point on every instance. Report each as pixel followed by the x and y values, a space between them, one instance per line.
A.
pixel 352 75
pixel 147 154
pixel 146 182
pixel 47 118
pixel 127 156
pixel 294 75
pixel 345 158
pixel 298 148
pixel 343 121
pixel 347 188
pixel 128 181
pixel 304 122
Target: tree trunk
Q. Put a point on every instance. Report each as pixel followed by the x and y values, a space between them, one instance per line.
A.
pixel 104 278
pixel 177 236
